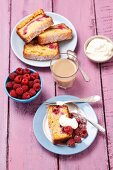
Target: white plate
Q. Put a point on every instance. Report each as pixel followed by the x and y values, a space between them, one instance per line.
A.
pixel 42 132
pixel 17 43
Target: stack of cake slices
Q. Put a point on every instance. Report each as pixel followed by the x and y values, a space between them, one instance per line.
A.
pixel 41 37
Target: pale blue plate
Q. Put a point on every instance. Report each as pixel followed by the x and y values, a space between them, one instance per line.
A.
pixel 42 134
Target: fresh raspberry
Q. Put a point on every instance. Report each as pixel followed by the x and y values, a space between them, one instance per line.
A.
pixel 83 133
pixel 12 76
pixel 68 130
pixel 36 86
pixel 25 88
pixel 26 95
pixel 82 126
pixel 34 76
pixel 77 139
pixel 13 93
pixel 19 91
pixel 16 85
pixel 19 71
pixel 24 81
pixel 36 81
pixel 32 92
pixel 18 79
pixel 78 120
pixel 77 131
pixel 71 115
pixel 30 83
pixel 26 76
pixel 9 85
pixel 26 71
pixel 71 142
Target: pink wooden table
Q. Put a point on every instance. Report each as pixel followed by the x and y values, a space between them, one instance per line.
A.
pixel 19 149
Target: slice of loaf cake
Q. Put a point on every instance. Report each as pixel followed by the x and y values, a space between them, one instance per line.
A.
pixel 33 25
pixel 53 114
pixel 34 51
pixel 55 33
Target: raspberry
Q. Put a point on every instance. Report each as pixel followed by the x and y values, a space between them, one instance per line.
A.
pixel 13 93
pixel 83 133
pixel 18 79
pixel 34 76
pixel 26 95
pixel 68 130
pixel 16 85
pixel 32 92
pixel 26 71
pixel 26 76
pixel 19 91
pixel 24 81
pixel 56 110
pixel 82 126
pixel 36 86
pixel 12 76
pixel 77 131
pixel 19 71
pixel 9 85
pixel 36 81
pixel 78 120
pixel 71 142
pixel 25 88
pixel 30 83
pixel 77 139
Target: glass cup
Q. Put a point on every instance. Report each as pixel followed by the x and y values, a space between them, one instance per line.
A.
pixel 64 71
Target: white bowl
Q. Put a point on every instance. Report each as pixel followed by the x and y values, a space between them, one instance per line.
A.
pixel 88 55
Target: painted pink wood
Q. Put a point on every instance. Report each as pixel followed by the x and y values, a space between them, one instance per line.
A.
pixel 4 61
pixel 82 16
pixel 25 153
pixel 104 14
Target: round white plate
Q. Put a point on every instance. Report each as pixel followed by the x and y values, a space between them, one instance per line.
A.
pixel 42 133
pixel 17 43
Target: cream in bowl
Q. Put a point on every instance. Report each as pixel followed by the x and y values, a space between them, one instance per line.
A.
pixel 64 72
pixel 99 48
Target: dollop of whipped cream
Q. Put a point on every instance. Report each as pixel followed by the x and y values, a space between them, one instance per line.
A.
pixel 65 121
pixel 99 49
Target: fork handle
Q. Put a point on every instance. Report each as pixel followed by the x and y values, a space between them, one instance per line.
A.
pixel 91 99
pixel 98 126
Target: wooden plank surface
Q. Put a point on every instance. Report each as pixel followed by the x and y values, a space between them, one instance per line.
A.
pixel 104 15
pixel 25 153
pixel 82 15
pixel 4 56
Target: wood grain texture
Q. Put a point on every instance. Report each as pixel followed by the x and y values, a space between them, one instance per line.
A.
pixel 4 55
pixel 82 15
pixel 104 15
pixel 25 153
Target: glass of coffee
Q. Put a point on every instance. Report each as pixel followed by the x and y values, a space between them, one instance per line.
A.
pixel 64 71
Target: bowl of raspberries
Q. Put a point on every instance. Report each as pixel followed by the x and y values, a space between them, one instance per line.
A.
pixel 23 85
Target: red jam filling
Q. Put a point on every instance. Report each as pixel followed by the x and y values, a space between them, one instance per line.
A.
pixel 56 110
pixel 60 27
pixel 38 19
pixel 52 46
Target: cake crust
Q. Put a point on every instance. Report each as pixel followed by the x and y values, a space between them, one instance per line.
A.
pixel 34 51
pixel 55 33
pixel 30 27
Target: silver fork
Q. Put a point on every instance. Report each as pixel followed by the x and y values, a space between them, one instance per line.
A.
pixel 91 99
pixel 75 109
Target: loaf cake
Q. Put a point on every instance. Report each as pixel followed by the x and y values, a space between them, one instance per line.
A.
pixel 53 114
pixel 34 51
pixel 55 33
pixel 33 25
